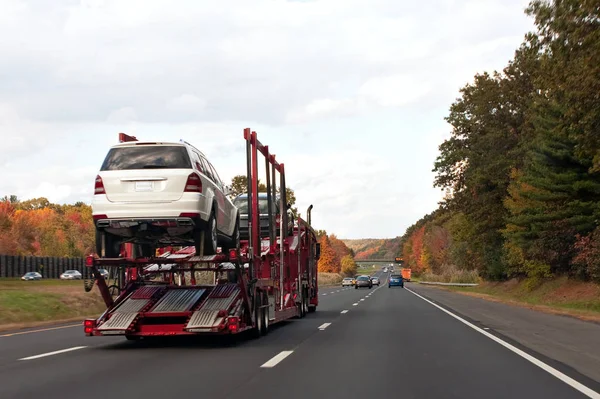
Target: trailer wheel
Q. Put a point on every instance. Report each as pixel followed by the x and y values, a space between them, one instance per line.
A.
pixel 305 303
pixel 258 329
pixel 265 316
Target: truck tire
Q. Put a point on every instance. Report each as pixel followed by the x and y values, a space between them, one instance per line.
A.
pixel 265 315
pixel 211 236
pixel 258 329
pixel 234 241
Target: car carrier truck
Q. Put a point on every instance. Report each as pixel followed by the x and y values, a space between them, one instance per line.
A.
pixel 261 281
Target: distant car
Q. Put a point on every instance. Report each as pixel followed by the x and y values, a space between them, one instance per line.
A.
pixel 31 276
pixel 241 203
pixel 363 281
pixel 71 275
pixel 375 281
pixel 155 194
pixel 396 280
pixel 104 273
pixel 347 281
pixel 385 269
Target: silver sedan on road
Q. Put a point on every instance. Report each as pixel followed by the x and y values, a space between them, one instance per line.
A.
pixel 375 281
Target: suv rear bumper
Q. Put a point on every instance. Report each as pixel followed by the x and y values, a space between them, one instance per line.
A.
pixel 101 206
pixel 165 222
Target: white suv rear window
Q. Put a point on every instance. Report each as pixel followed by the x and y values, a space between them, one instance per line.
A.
pixel 147 157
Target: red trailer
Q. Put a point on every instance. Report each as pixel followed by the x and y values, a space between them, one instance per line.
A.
pixel 264 281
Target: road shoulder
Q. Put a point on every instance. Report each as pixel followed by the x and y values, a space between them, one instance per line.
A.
pixel 572 342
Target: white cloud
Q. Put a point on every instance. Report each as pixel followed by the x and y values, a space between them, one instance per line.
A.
pixel 353 107
pixel 122 115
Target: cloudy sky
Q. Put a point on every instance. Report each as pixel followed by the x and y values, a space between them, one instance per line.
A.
pixel 349 94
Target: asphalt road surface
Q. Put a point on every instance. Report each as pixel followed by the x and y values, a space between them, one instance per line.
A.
pixel 390 342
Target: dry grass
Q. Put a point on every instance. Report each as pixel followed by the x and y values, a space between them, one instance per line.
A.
pixel 557 296
pixel 33 303
pixel 452 275
pixel 329 279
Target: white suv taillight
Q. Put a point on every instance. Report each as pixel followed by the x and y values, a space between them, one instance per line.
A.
pixel 193 184
pixel 99 186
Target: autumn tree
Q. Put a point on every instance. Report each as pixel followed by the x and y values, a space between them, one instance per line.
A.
pixel 329 261
pixel 38 227
pixel 338 246
pixel 348 266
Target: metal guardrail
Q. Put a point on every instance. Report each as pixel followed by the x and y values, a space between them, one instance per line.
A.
pixel 449 284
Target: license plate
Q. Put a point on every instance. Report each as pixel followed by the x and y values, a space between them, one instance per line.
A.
pixel 144 186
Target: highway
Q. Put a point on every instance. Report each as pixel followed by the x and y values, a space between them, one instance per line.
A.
pixel 360 343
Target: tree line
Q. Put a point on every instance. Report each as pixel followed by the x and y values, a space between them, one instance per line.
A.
pixel 521 170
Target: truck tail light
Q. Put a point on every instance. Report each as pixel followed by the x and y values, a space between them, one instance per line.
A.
pixel 233 324
pixel 88 326
pixel 193 184
pixel 99 186
pixel 233 254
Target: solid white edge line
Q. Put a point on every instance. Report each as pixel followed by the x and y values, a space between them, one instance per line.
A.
pixel 277 359
pixel 324 326
pixel 53 353
pixel 549 369
pixel 344 311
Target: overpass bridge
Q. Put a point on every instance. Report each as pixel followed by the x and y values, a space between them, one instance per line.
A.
pixel 397 261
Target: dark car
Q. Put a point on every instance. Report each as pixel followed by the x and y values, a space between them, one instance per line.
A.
pixel 396 280
pixel 241 203
pixel 31 276
pixel 363 281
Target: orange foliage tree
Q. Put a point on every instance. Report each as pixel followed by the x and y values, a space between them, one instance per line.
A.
pixel 329 262
pixel 37 227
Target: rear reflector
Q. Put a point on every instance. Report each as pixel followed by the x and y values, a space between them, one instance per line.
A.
pixel 98 217
pixel 193 184
pixel 89 262
pixel 99 186
pixel 189 215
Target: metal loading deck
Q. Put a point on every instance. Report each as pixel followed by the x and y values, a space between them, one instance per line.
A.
pixel 157 301
pixel 215 308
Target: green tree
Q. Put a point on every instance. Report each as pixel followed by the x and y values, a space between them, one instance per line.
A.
pixel 239 185
pixel 568 36
pixel 553 199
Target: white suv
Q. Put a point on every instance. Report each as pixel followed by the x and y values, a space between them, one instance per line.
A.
pixel 155 194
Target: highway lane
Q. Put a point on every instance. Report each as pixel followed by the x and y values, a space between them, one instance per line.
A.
pixel 398 345
pixel 404 344
pixel 33 341
pixel 124 367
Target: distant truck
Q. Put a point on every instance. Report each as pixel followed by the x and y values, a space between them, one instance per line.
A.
pixel 406 272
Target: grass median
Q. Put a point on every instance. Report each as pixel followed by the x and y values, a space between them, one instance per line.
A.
pixel 36 303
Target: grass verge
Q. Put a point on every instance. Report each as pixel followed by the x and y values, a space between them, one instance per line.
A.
pixel 36 303
pixel 558 296
pixel 329 279
pixel 452 275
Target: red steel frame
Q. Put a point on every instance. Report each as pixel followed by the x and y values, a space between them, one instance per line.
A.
pixel 291 289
